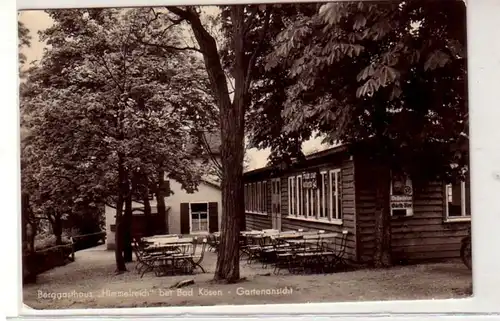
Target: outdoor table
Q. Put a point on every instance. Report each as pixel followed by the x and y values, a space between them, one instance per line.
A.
pixel 170 241
pixel 286 236
pixel 247 233
pixel 302 241
pixel 156 237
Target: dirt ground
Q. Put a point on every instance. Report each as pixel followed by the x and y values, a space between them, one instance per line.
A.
pixel 90 282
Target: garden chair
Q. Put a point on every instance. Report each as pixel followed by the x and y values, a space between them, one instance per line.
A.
pixel 212 243
pixel 280 255
pixel 269 253
pixel 308 255
pixel 145 262
pixel 176 260
pixel 197 259
pixel 254 249
pixel 334 251
pixel 194 259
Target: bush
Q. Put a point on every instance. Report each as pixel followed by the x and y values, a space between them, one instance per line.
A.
pixel 46 240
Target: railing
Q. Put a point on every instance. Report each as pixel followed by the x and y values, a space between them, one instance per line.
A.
pixel 101 233
pixel 79 240
pixel 62 246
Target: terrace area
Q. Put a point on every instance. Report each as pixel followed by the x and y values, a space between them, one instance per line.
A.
pixel 90 282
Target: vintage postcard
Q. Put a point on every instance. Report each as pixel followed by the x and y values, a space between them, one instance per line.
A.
pixel 244 154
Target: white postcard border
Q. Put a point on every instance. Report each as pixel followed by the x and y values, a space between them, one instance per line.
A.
pixel 484 96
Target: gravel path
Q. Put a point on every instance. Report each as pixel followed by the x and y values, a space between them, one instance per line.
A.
pixel 89 282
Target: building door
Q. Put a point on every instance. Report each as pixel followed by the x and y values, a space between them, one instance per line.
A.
pixel 276 203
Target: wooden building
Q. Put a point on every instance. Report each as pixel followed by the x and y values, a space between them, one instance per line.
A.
pixel 334 191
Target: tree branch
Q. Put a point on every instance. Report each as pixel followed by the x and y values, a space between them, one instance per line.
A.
pixel 167 47
pixel 105 64
pixel 183 14
pixel 253 58
pixel 217 164
pixel 250 22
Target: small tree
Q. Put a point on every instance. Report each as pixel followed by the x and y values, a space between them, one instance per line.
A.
pixel 103 106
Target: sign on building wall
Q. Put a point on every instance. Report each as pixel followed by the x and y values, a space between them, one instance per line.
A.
pixel 401 195
pixel 310 180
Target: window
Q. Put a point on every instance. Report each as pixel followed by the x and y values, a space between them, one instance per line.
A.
pixel 315 196
pixel 292 207
pixel 335 195
pixel 256 197
pixel 324 193
pixel 199 217
pixel 299 197
pixel 457 201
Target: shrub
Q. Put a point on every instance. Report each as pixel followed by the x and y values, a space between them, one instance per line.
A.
pixel 46 240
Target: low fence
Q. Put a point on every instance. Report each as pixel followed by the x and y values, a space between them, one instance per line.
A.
pixel 49 258
pixel 46 259
pixel 85 241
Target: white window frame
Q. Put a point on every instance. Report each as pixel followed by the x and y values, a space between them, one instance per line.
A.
pixel 308 200
pixel 334 217
pixel 191 218
pixel 303 203
pixel 324 175
pixel 464 217
pixel 257 197
pixel 299 197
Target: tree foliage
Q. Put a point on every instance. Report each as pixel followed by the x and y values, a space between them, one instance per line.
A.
pixel 103 102
pixel 386 78
pixel 24 41
pixel 393 73
pixel 267 90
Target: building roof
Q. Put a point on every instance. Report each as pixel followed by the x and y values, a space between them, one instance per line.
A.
pixel 211 182
pixel 311 157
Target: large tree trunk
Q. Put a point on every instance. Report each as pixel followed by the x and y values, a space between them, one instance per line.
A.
pixel 127 226
pixel 144 190
pixel 57 228
pixel 382 250
pixel 147 213
pixel 120 262
pixel 30 226
pixel 232 122
pixel 33 230
pixel 160 196
pixel 25 212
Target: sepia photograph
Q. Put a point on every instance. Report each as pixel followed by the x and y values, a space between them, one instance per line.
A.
pixel 244 154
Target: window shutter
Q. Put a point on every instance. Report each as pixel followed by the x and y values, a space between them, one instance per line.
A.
pixel 185 228
pixel 213 217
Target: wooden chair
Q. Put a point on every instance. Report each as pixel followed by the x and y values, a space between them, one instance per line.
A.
pixel 145 262
pixel 334 251
pixel 190 261
pixel 308 255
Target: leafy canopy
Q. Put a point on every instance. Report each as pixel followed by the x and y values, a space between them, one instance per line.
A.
pixel 388 78
pixel 100 91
